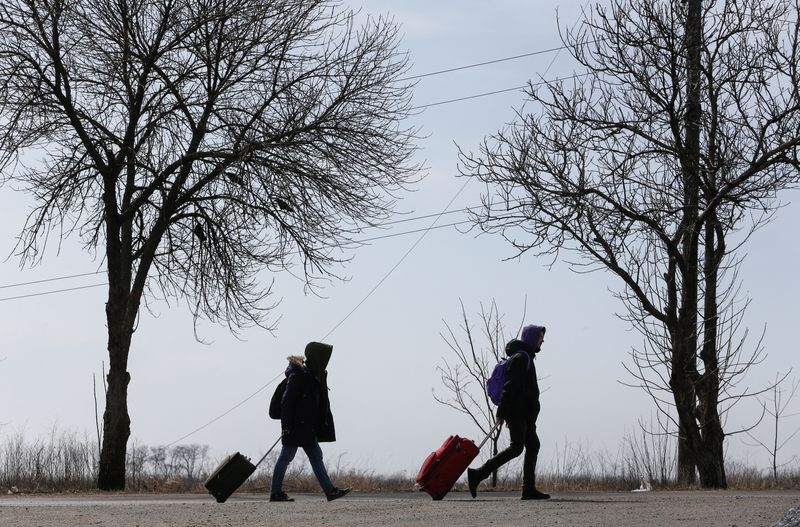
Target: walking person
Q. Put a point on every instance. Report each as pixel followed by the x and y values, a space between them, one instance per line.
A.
pixel 518 408
pixel 306 419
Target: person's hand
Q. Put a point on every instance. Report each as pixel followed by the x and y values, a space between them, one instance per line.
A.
pixel 499 418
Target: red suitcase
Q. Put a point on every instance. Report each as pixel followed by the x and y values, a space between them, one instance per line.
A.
pixel 442 468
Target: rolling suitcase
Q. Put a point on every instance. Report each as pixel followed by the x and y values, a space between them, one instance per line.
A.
pixel 443 467
pixel 231 473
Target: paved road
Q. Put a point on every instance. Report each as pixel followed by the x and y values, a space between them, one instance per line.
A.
pixel 695 508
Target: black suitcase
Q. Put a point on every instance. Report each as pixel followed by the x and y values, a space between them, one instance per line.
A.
pixel 229 476
pixel 231 473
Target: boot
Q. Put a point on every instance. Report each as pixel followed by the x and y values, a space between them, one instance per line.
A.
pixel 534 495
pixel 337 493
pixel 280 496
pixel 473 480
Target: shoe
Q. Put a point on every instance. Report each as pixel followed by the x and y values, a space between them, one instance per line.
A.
pixel 535 495
pixel 335 494
pixel 473 479
pixel 280 496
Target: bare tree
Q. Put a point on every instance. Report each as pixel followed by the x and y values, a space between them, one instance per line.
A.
pixel 191 460
pixel 194 143
pixel 652 451
pixel 774 402
pixel 159 462
pixel 135 461
pixel 477 352
pixel 656 165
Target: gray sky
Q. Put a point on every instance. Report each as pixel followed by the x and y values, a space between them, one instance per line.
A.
pixel 385 354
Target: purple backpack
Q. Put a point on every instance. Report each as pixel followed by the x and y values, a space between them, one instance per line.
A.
pixel 495 382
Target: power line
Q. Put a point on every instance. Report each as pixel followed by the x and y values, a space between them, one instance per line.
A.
pixel 220 416
pixel 393 222
pixel 486 63
pixel 52 292
pixel 50 279
pixel 486 94
pixel 374 238
pixel 402 259
pixel 365 240
pixel 392 235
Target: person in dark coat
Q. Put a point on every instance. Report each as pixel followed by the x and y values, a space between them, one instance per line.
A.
pixel 306 419
pixel 518 408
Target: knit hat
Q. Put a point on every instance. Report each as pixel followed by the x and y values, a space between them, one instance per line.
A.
pixel 530 335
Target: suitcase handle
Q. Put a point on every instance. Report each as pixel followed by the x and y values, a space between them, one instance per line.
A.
pixel 485 439
pixel 270 450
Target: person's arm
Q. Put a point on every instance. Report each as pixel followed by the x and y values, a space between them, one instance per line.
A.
pixel 289 401
pixel 515 370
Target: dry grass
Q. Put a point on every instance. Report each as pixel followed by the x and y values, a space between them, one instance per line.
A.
pixel 64 462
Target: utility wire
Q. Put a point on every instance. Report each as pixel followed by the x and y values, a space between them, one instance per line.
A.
pixel 430 228
pixel 50 279
pixel 220 416
pixel 52 292
pixel 486 63
pixel 365 240
pixel 486 94
pixel 390 235
pixel 392 270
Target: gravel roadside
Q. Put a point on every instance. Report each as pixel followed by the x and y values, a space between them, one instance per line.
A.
pixel 691 508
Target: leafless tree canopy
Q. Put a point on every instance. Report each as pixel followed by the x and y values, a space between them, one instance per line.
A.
pixel 610 170
pixel 598 165
pixel 226 135
pixel 193 143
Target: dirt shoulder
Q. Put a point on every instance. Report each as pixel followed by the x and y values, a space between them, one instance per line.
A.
pixel 690 508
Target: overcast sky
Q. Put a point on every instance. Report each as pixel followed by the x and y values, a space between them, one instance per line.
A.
pixel 385 356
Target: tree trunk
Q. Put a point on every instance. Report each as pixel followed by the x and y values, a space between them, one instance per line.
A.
pixel 116 421
pixel 686 467
pixel 685 360
pixel 684 396
pixel 712 465
pixel 120 317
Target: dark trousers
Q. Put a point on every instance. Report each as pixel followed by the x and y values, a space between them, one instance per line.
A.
pixel 523 437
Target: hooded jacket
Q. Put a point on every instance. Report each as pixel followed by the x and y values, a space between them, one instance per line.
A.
pixel 520 398
pixel 305 407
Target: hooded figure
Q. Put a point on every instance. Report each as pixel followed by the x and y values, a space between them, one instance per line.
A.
pixel 305 408
pixel 520 398
pixel 518 408
pixel 306 418
pixel 317 357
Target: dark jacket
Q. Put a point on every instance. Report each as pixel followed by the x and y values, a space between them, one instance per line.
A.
pixel 305 409
pixel 520 398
